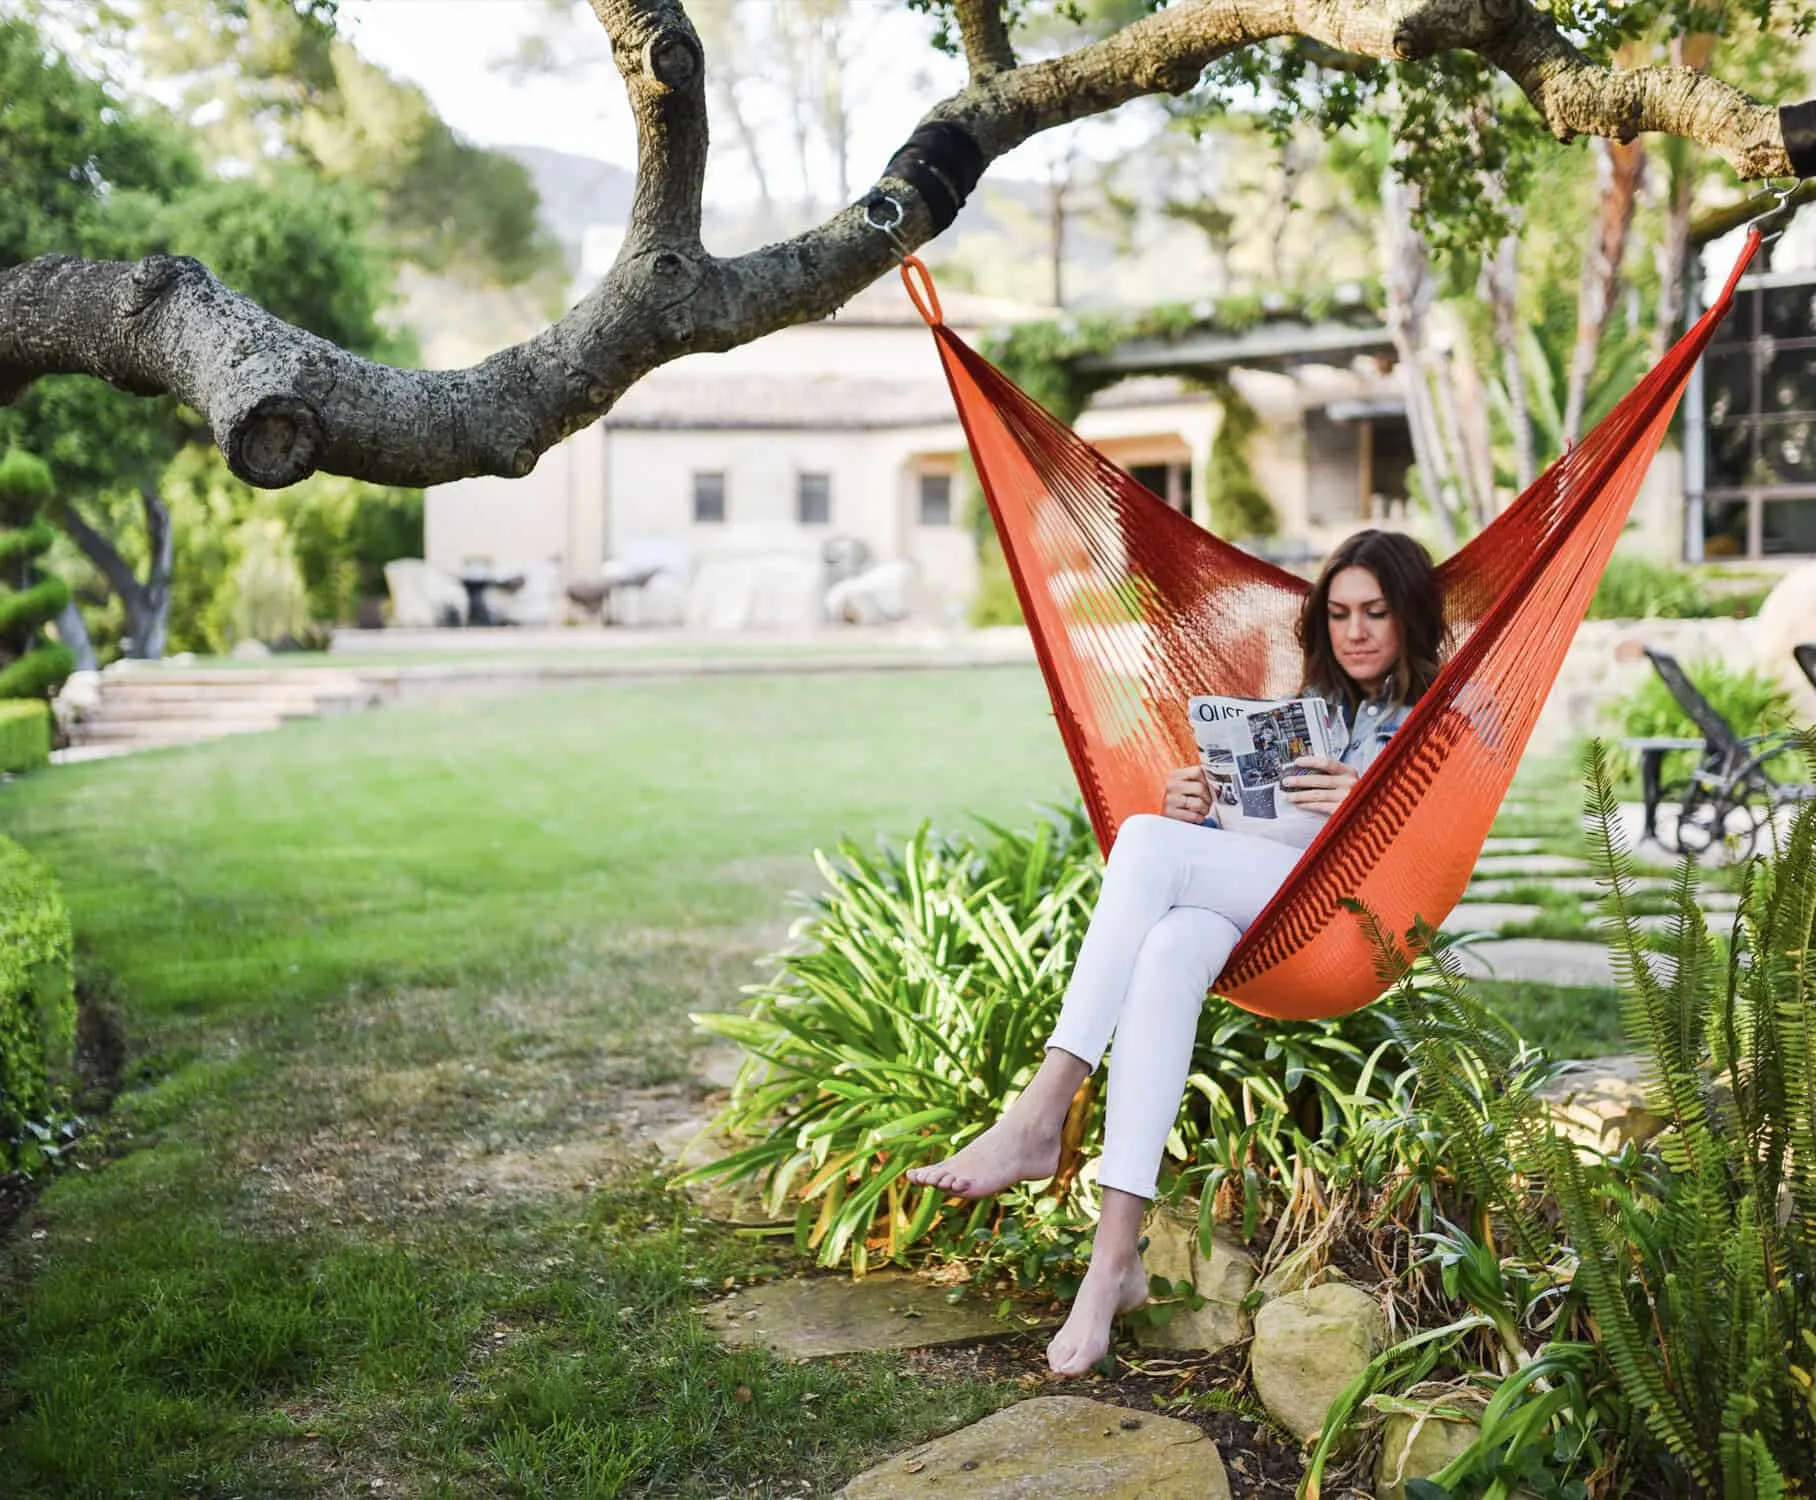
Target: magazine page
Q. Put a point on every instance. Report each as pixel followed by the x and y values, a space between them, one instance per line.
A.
pixel 1248 746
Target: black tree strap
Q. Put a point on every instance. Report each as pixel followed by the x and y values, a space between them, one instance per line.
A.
pixel 1798 122
pixel 942 162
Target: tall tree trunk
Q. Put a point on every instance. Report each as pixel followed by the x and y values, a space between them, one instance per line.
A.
pixel 72 630
pixel 148 603
pixel 1057 183
pixel 1680 167
pixel 152 629
pixel 1500 288
pixel 1409 296
pixel 1621 169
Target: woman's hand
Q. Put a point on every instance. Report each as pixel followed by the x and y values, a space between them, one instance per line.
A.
pixel 1188 795
pixel 1321 785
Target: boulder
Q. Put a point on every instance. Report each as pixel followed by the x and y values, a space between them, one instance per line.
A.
pixel 1056 1448
pixel 1787 619
pixel 1417 1447
pixel 1308 1346
pixel 1222 1278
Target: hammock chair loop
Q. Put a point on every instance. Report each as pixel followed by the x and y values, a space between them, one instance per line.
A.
pixel 921 291
pixel 1132 607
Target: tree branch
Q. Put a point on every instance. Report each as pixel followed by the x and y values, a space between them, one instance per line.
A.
pixel 282 403
pixel 99 551
pixel 984 30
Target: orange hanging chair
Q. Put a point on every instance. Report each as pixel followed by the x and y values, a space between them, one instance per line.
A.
pixel 1133 608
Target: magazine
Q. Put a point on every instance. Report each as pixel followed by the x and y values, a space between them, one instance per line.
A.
pixel 1248 746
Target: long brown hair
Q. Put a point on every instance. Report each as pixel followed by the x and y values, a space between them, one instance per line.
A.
pixel 1409 584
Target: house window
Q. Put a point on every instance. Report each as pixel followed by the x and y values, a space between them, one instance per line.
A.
pixel 1169 482
pixel 936 500
pixel 1759 398
pixel 709 498
pixel 813 499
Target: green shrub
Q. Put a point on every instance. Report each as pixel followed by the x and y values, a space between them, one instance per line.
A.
pixel 24 734
pixel 914 1005
pixel 1640 588
pixel 37 1009
pixel 1667 1289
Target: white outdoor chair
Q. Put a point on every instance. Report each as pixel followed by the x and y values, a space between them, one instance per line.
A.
pixel 532 602
pixel 423 597
pixel 877 596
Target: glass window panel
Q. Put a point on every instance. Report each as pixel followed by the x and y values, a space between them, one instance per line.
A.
pixel 709 498
pixel 1789 312
pixel 1728 385
pixel 1787 380
pixel 1787 452
pixel 1787 526
pixel 813 499
pixel 1730 451
pixel 936 500
pixel 1725 528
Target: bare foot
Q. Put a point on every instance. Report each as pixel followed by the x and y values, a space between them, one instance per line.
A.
pixel 1106 1293
pixel 1000 1156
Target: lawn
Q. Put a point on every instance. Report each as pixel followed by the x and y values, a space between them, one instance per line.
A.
pixel 405 1000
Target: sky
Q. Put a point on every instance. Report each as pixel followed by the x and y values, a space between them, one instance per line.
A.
pixel 451 48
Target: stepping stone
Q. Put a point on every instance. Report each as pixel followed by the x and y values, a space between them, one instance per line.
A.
pixel 1056 1448
pixel 1530 864
pixel 1570 885
pixel 810 1317
pixel 1511 846
pixel 1474 916
pixel 1546 961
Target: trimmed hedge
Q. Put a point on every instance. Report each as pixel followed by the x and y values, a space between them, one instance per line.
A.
pixel 24 734
pixel 37 996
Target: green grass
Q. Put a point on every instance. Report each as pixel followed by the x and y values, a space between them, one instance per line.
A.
pixel 378 973
pixel 374 1206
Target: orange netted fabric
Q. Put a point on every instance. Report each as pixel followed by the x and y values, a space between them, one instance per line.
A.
pixel 1134 607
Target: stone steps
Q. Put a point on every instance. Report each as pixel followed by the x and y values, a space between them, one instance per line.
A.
pixel 143 707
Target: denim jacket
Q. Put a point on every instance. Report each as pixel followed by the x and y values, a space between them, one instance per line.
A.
pixel 1374 727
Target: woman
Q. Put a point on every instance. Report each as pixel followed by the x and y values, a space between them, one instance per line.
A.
pixel 1178 891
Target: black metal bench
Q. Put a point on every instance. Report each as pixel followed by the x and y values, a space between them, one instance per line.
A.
pixel 1729 795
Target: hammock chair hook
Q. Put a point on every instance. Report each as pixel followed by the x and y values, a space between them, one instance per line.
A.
pixel 889 227
pixel 1779 215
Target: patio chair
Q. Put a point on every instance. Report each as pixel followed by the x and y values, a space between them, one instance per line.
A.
pixel 877 596
pixel 1730 794
pixel 423 597
pixel 530 598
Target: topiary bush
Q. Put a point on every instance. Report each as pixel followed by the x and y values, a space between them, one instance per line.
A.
pixel 30 665
pixel 24 735
pixel 37 1006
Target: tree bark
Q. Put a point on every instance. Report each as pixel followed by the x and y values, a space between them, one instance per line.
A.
pixel 283 404
pixel 148 603
pixel 1500 285
pixel 1622 170
pixel 1409 296
pixel 72 630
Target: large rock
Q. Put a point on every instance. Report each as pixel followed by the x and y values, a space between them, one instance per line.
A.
pixel 1787 619
pixel 1056 1448
pixel 1222 1278
pixel 811 1317
pixel 1308 1346
pixel 1417 1447
pixel 1601 1104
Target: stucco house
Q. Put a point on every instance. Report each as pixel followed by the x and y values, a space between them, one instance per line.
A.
pixel 845 428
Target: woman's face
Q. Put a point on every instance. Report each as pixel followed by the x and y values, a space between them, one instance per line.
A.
pixel 1364 635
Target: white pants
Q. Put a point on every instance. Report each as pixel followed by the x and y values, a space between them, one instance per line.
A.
pixel 1176 897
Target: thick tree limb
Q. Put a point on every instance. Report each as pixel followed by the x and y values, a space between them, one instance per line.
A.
pixel 984 30
pixel 282 404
